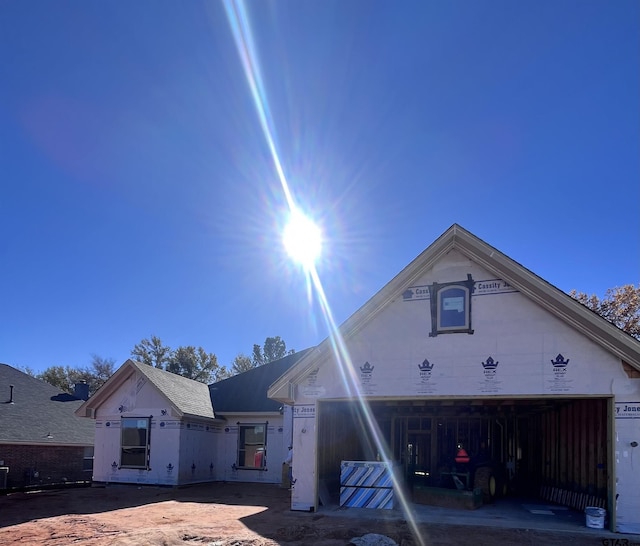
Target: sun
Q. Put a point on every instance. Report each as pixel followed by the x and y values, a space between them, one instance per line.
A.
pixel 302 239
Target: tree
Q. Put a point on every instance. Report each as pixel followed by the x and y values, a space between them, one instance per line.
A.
pixel 620 306
pixel 66 377
pixel 195 363
pixel 275 348
pixel 241 363
pixel 101 370
pixel 152 352
pixel 61 377
pixel 187 361
pixel 257 359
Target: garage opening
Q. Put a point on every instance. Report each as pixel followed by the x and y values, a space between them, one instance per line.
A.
pixel 550 448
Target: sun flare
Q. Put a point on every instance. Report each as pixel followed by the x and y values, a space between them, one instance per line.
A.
pixel 302 239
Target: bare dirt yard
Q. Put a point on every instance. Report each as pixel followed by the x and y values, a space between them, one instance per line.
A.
pixel 225 514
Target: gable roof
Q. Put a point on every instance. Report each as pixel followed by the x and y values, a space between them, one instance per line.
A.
pixel 40 413
pixel 247 392
pixel 188 397
pixel 547 296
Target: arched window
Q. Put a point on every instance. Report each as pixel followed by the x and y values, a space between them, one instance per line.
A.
pixel 451 307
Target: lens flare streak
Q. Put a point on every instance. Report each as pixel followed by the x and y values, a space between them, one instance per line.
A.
pixel 239 22
pixel 350 381
pixel 240 27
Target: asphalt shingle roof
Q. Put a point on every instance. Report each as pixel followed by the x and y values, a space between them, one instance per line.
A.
pixel 188 396
pixel 40 413
pixel 247 392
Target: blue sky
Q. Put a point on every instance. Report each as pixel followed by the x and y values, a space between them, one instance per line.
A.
pixel 139 197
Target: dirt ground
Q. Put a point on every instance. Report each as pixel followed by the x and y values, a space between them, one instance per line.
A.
pixel 228 514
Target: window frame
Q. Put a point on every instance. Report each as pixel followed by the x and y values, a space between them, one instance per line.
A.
pixel 88 458
pixel 146 446
pixel 257 447
pixel 438 295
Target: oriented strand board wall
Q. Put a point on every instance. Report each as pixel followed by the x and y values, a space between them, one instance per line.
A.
pixel 573 448
pixel 341 440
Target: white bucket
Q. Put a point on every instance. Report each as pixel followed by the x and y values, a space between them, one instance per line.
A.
pixel 595 517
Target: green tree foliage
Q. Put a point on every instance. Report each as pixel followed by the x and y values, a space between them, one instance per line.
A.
pixel 152 352
pixel 620 306
pixel 257 358
pixel 195 363
pixel 188 361
pixel 101 370
pixel 61 377
pixel 241 363
pixel 66 377
pixel 274 348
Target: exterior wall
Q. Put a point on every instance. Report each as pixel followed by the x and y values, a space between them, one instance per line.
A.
pixel 277 447
pixel 627 458
pixel 521 338
pixel 198 442
pixel 40 465
pixel 164 454
pixel 139 398
pixel 303 496
pixel 186 450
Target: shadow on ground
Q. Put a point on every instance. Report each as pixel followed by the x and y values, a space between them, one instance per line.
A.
pixel 264 510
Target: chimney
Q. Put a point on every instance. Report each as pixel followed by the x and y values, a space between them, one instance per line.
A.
pixel 10 394
pixel 81 390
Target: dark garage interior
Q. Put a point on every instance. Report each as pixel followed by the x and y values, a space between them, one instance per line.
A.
pixel 556 449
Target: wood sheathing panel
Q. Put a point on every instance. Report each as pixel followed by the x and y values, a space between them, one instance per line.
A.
pixel 572 454
pixel 631 372
pixel 342 436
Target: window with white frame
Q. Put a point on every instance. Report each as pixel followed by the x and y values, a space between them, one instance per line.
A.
pixel 135 442
pixel 252 446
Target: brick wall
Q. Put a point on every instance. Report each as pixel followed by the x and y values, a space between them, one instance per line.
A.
pixel 41 465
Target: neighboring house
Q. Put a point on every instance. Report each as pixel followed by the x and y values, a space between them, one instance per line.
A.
pixel 156 427
pixel 467 349
pixel 42 441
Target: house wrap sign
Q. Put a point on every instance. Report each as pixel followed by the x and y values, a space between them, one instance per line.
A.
pixel 627 410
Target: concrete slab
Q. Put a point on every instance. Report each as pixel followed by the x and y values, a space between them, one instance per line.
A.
pixel 515 513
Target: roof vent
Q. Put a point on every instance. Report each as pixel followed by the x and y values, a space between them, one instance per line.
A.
pixel 10 394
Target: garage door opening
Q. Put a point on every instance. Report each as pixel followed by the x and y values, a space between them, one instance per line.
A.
pixel 552 449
